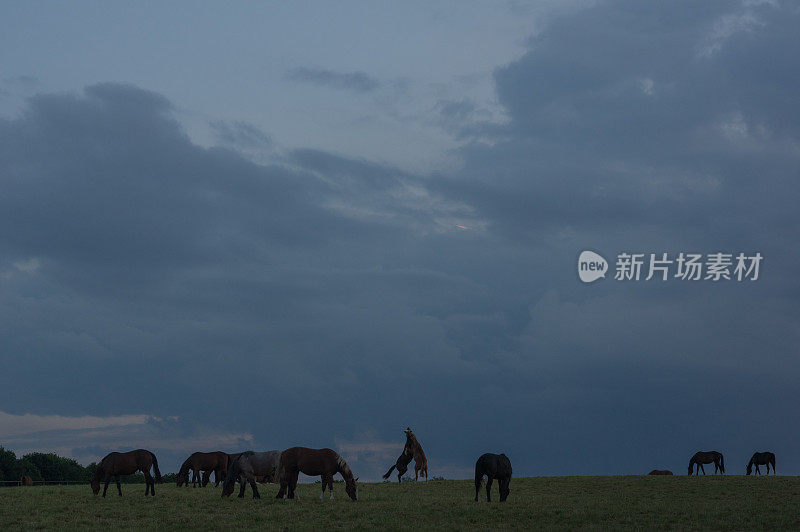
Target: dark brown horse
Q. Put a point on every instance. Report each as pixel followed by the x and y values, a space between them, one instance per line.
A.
pixel 26 481
pixel 314 462
pixel 706 457
pixel 116 464
pixel 203 462
pixel 415 449
pixel 660 472
pixel 401 465
pixel 493 466
pixel 761 459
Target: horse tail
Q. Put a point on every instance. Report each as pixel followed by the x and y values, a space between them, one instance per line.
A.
pixel 155 468
pixel 279 473
pixel 389 472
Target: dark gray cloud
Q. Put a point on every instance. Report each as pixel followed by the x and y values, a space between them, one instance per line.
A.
pixel 240 134
pixel 353 81
pixel 324 299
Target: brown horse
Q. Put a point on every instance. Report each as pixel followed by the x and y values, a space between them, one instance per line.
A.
pixel 660 472
pixel 26 481
pixel 116 464
pixel 314 462
pixel 415 449
pixel 203 462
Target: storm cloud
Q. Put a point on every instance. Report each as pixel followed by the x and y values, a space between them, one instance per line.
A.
pixel 326 300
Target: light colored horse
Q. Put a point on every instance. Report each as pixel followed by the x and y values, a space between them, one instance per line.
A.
pixel 248 467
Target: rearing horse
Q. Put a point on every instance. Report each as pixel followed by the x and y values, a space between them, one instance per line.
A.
pixel 761 459
pixel 706 457
pixel 116 464
pixel 415 449
pixel 314 462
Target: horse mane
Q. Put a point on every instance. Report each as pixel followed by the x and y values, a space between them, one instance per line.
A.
pixel 184 470
pixel 344 469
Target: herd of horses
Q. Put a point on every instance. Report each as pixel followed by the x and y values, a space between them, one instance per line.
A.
pixel 715 457
pixel 284 468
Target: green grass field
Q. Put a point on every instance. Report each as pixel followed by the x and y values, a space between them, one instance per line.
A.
pixel 730 502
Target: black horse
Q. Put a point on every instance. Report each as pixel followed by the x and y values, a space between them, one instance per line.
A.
pixel 706 457
pixel 401 465
pixel 494 466
pixel 761 459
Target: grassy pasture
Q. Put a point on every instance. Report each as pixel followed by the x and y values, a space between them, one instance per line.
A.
pixel 730 502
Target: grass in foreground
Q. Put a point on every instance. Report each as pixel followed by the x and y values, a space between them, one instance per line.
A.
pixel 730 502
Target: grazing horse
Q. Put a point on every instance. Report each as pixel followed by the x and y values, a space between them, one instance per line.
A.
pixel 401 465
pixel 706 457
pixel 494 466
pixel 199 462
pixel 248 467
pixel 116 464
pixel 314 462
pixel 761 459
pixel 660 472
pixel 26 481
pixel 415 449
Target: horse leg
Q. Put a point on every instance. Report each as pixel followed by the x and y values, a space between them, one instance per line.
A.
pixel 489 488
pixel 242 486
pixel 330 485
pixel 293 484
pixel 478 479
pixel 703 468
pixel 256 495
pixel 105 489
pixel 324 485
pixel 119 488
pixel 148 478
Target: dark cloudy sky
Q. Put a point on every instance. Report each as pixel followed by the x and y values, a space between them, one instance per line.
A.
pixel 257 226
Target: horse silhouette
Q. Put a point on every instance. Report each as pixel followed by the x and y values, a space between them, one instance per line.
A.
pixel 706 457
pixel 758 459
pixel 494 466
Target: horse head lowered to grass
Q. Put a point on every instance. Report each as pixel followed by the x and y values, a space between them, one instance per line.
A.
pixel 314 462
